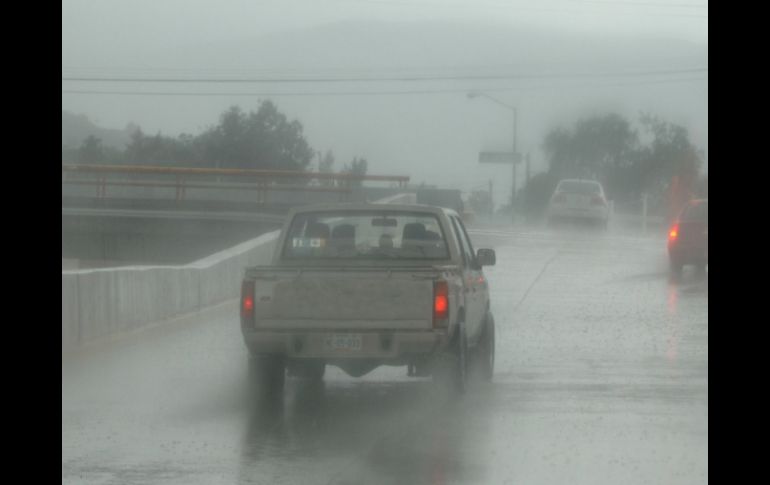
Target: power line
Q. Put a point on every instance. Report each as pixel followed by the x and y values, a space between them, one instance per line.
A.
pixel 284 70
pixel 370 93
pixel 384 79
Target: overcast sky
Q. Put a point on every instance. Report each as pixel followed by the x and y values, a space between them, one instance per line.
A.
pixel 162 38
pixel 129 26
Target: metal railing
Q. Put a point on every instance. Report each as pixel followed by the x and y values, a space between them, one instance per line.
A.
pixel 184 178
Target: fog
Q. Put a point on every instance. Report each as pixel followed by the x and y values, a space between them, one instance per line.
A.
pixel 597 298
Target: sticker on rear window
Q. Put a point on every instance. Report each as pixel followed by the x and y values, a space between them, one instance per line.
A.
pixel 308 242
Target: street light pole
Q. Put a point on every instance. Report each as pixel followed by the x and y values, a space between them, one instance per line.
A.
pixel 515 153
pixel 476 94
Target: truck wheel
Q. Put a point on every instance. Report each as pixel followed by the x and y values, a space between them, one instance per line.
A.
pixel 486 354
pixel 267 374
pixel 451 368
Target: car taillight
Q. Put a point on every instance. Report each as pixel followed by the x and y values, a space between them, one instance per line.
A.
pixel 247 303
pixel 440 303
pixel 560 199
pixel 673 234
pixel 597 200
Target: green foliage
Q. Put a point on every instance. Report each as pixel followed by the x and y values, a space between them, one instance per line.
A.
pixel 357 167
pixel 669 155
pixel 326 165
pixel 702 187
pixel 91 150
pixel 593 147
pixel 161 150
pixel 264 139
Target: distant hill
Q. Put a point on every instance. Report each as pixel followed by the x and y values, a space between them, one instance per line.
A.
pixel 434 47
pixel 76 128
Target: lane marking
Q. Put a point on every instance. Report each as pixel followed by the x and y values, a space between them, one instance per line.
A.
pixel 537 278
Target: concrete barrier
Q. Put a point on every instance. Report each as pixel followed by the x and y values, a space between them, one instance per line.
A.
pixel 70 311
pixel 97 303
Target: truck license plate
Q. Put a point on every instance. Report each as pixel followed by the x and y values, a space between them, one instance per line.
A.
pixel 344 342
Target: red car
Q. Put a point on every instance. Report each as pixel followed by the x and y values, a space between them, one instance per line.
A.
pixel 688 241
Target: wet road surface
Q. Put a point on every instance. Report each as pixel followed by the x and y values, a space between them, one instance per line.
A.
pixel 601 377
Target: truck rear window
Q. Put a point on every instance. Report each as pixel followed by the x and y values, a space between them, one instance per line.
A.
pixel 365 235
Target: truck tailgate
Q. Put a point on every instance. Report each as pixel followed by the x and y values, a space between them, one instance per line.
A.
pixel 343 299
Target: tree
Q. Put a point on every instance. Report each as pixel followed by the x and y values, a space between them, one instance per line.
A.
pixel 357 167
pixel 163 150
pixel 537 193
pixel 670 165
pixel 592 145
pixel 91 150
pixel 702 187
pixel 326 166
pixel 264 139
pixel 596 148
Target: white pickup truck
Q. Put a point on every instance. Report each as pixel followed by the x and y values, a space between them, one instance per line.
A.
pixel 364 285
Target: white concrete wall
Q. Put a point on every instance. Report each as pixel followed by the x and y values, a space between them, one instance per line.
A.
pixel 100 302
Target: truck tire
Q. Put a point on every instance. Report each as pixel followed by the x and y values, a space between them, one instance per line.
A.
pixel 486 349
pixel 451 367
pixel 267 375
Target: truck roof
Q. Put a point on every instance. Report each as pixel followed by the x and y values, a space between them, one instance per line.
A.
pixel 368 207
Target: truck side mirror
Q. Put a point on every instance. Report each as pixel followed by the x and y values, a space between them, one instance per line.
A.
pixel 486 257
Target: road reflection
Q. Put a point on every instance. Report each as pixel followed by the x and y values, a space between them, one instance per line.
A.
pixel 365 432
pixel 681 284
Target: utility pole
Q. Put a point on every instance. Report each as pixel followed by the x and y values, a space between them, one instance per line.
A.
pixel 491 200
pixel 527 168
pixel 514 155
pixel 515 160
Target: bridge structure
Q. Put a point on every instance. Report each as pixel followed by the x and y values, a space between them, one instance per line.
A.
pixel 127 214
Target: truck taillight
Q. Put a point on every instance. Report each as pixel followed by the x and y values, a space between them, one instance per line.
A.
pixel 560 199
pixel 597 200
pixel 440 303
pixel 247 303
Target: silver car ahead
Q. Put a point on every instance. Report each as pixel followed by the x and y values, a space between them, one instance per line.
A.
pixel 580 200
